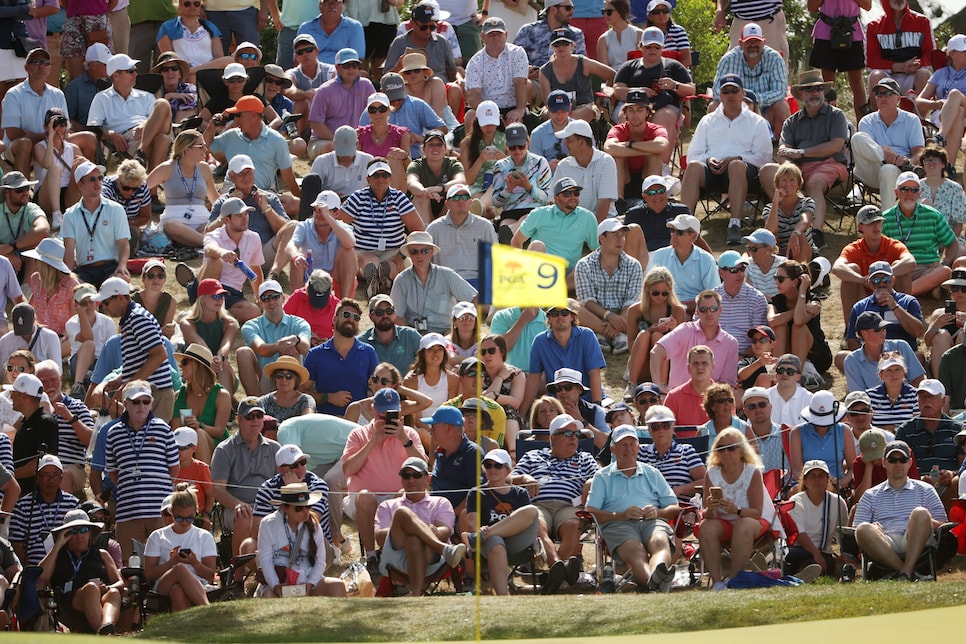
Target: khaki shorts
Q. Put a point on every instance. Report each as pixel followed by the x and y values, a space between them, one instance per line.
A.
pixel 556 513
pixel 922 269
pixel 314 148
pixel 615 533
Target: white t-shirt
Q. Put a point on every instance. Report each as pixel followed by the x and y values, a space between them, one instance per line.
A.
pixel 103 328
pixel 161 542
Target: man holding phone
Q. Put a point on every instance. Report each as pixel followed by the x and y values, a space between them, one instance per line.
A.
pixel 373 454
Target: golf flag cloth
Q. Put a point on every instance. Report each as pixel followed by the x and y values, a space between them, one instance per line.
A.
pixel 514 277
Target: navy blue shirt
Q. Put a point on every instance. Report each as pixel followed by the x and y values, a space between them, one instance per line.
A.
pixel 453 475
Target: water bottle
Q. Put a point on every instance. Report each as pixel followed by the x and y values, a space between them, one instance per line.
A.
pixel 607 585
pixel 244 268
pixel 487 179
pixel 308 265
pixel 134 562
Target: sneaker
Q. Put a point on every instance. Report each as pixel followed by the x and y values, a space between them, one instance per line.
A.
pixel 372 565
pixel 371 275
pixel 574 565
pixel 555 578
pixel 620 344
pixel 604 343
pixel 470 539
pixel 78 391
pixel 720 585
pixel 734 234
pixel 811 378
pixel 629 392
pixel 56 220
pixel 385 281
pixel 184 274
pixel 818 238
pixel 476 207
pixel 809 573
pixel 661 578
pixel 665 169
pixel 453 553
pixel 848 573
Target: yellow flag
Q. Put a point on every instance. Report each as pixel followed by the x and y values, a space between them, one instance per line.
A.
pixel 514 277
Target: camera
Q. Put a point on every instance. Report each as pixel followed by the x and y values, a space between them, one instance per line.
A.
pixel 60 120
pixel 421 324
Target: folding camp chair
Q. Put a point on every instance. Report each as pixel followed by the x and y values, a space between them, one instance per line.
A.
pixel 396 580
pixel 940 548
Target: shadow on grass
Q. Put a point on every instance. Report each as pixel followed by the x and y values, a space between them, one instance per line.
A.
pixel 453 618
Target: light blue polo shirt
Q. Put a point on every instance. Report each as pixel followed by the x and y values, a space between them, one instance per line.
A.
pixel 613 491
pixel 117 113
pixel 25 109
pixel 348 33
pixel 564 235
pixel 268 152
pixel 108 223
pixel 698 272
pixel 262 327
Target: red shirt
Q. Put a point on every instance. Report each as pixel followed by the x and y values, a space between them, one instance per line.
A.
pixel 622 133
pixel 197 474
pixel 687 405
pixel 320 320
pixel 858 253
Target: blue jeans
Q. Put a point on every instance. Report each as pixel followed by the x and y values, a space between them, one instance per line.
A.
pixel 243 23
pixel 285 54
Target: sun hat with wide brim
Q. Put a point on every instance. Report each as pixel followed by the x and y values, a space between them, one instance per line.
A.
pixel 824 409
pixel 415 61
pixel 172 57
pixel 50 251
pixel 297 494
pixel 419 238
pixel 287 363
pixel 77 519
pixel 199 353
pixel 810 78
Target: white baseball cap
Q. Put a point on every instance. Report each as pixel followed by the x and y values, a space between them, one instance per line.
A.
pixel 240 162
pixel 119 62
pixel 112 286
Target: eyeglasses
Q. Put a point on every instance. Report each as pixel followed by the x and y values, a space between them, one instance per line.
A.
pixel 786 371
pixel 647 401
pixel 406 476
pixel 729 448
pixel 930 160
pixel 349 314
pixel 754 406
pixel 719 401
pixel 490 465
pixel 859 412
pixel 911 189
pixel 287 375
pixel 124 188
pixel 568 433
pixel 154 276
pixel 660 293
pixel 516 147
pixel 381 312
pixel 420 251
pixel 166 69
pixel 955 288
pixel 304 50
pixel 650 192
pixel 460 197
pixel 385 382
pixel 81 530
pixel 681 233
pixel 270 297
pixel 430 27
pixel 17 368
pixel 734 270
pixel 570 193
pixel 40 61
pixel 236 79
pixel 901 459
pixel 730 90
pixel 880 280
pixel 381 109
pixel 188 519
pixel 140 401
pixel 247 56
pixel 489 351
pixel 255 415
pixel 191 4
pixel 567 387
pixel 299 463
pixel 608 12
pixel 714 308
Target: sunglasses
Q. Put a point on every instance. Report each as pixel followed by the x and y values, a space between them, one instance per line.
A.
pixel 570 193
pixel 607 12
pixel 154 276
pixel 490 465
pixel 299 463
pixel 381 109
pixel 729 448
pixel 379 175
pixel 20 191
pixel 81 530
pixel 650 192
pixel 859 412
pixel 466 318
pixel 124 188
pixel 566 7
pixel 880 280
pixel 660 293
pixel 140 401
pixel 385 382
pixel 190 4
pixel 410 72
pixel 567 387
pixel 270 297
pixel 901 459
pixel 568 433
pixel 762 340
pixel 131 71
pixel 460 197
pixel 17 368
pixel 718 401
pixel 186 447
pixel 178 519
pixel 662 425
pixel 884 94
pixel 734 270
pixel 754 406
pixel 647 401
pixel 781 278
pixel 247 56
pixel 911 189
pixel 235 80
pixel 304 50
pixel 730 90
pixel 954 288
pixel 166 69
pixel 681 233
pixel 218 297
pixel 786 371
pixel 430 27
pixel 406 476
pixel 287 375
pixel 271 81
pixel 349 314
pixel 489 351
pixel 714 308
pixel 255 415
pixel 516 147
pixel 420 251
pixel 557 313
pixel 381 312
pixel 351 65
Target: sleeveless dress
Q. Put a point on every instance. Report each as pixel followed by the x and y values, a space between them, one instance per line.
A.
pixel 184 198
pixel 617 51
pixel 738 492
pixel 579 87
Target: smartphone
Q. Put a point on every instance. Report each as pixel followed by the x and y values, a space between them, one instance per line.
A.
pixel 715 493
pixel 391 417
pixel 951 306
pixel 184 552
pixel 663 320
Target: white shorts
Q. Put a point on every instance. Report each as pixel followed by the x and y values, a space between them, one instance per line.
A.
pixel 192 216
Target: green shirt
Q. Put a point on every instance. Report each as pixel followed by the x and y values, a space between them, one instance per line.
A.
pixel 924 233
pixel 564 235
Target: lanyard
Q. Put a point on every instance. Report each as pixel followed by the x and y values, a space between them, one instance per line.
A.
pixel 97 218
pixel 75 565
pixel 190 192
pixel 137 450
pixel 15 233
pixel 899 218
pixel 46 516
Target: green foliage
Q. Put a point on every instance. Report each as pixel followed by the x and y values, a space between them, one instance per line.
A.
pixel 800 23
pixel 696 16
pixel 269 42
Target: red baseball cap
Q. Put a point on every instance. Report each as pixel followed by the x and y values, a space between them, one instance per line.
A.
pixel 210 287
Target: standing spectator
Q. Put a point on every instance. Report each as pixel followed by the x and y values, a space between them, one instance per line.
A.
pixel 498 73
pixel 425 38
pixel 86 22
pixel 146 17
pixel 237 20
pixel 340 101
pixel 768 13
pixel 287 23
pixel 900 47
pixel 535 37
pixel 333 32
pixel 846 54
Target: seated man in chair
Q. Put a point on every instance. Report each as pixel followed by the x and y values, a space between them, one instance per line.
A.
pixel 634 506
pixel 413 530
pixel 895 519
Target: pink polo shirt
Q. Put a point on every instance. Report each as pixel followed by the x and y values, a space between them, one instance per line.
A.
pixel 678 342
pixel 380 473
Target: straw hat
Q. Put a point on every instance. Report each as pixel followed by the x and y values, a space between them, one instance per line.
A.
pixel 297 494
pixel 172 57
pixel 199 353
pixel 415 60
pixel 287 363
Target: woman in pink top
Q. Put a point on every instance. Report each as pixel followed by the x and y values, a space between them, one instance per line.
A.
pixel 850 60
pixel 52 288
pixel 383 139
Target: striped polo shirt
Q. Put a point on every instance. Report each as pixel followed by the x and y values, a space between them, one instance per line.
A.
pixel 140 332
pixel 923 234
pixel 755 9
pixel 375 221
pixel 886 413
pixel 675 465
pixel 744 311
pixel 69 448
pixel 33 515
pixel 271 490
pixel 142 460
pixel 560 479
pixel 891 508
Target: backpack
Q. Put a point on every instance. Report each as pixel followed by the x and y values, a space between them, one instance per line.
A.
pixel 841 36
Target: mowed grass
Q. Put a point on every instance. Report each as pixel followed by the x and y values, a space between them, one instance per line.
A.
pixel 453 617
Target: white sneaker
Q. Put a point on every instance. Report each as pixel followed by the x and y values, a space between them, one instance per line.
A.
pixel 454 553
pixel 604 343
pixel 809 573
pixel 56 220
pixel 620 344
pixel 811 377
